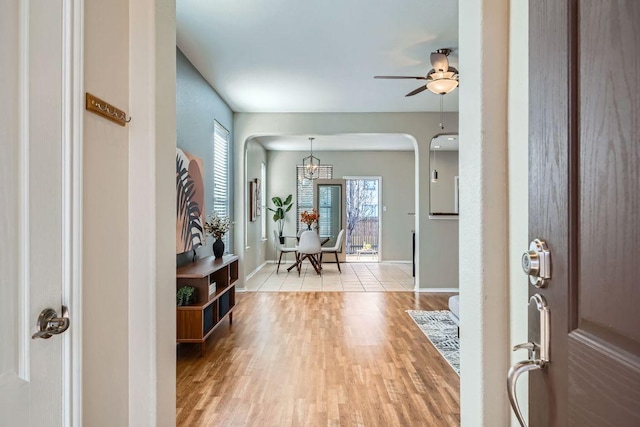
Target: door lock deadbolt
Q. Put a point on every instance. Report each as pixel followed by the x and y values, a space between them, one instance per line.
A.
pixel 536 263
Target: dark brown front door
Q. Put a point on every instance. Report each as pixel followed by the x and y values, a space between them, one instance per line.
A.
pixel 584 196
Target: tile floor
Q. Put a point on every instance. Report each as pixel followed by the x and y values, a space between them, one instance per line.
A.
pixel 355 277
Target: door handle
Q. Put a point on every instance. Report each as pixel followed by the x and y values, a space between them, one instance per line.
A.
pixel 50 324
pixel 538 356
pixel 515 371
pixel 536 263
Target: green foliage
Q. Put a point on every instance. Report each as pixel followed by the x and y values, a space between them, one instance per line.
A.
pixel 185 295
pixel 281 209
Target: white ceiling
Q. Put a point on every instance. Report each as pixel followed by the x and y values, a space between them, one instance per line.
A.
pixel 344 142
pixel 318 56
pixel 445 143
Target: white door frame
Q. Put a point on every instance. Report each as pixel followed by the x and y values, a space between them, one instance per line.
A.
pixel 379 178
pixel 72 294
pixel 73 19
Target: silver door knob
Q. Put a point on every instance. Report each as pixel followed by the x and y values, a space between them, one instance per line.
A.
pixel 50 324
pixel 536 263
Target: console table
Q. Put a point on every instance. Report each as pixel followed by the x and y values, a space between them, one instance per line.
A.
pixel 197 321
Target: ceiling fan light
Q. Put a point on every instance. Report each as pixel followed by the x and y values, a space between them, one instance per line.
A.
pixel 442 86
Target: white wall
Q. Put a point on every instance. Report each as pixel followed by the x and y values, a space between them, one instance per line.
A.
pixel 129 216
pixel 106 218
pixel 152 142
pixel 437 249
pixel 484 344
pixel 518 183
pixel 256 248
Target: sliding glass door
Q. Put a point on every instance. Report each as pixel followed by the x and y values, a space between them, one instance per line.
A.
pixel 363 231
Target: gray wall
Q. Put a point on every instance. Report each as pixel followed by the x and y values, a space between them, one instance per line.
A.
pixel 442 192
pixel 197 106
pixel 437 241
pixel 396 169
pixel 255 250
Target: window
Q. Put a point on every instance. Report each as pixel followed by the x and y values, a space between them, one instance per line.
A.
pixel 221 180
pixel 304 190
pixel 263 199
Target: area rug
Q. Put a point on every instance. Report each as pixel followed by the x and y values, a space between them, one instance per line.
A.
pixel 442 332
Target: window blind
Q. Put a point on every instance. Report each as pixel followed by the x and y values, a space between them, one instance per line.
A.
pixel 304 191
pixel 221 188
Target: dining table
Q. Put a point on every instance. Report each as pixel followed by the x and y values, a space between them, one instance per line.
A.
pixel 323 240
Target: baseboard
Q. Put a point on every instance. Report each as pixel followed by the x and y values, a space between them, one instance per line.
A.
pixel 250 275
pixel 440 290
pixel 402 261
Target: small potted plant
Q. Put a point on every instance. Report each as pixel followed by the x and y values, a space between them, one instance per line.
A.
pixel 217 226
pixel 279 213
pixel 309 217
pixel 186 295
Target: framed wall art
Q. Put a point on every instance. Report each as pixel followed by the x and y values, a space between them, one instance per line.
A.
pixel 190 202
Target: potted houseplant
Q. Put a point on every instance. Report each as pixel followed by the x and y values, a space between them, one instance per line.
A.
pixel 186 295
pixel 281 209
pixel 217 226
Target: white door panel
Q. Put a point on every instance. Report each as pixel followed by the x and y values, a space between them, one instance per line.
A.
pixel 37 204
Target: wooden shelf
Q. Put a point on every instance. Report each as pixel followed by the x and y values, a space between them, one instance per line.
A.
pixel 197 321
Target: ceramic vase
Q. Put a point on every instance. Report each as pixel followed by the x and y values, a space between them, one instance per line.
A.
pixel 218 248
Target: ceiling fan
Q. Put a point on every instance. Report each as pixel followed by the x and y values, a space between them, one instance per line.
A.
pixel 442 78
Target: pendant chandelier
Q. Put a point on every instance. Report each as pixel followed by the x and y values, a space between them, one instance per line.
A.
pixel 311 164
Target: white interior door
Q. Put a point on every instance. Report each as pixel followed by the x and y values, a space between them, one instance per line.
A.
pixel 39 209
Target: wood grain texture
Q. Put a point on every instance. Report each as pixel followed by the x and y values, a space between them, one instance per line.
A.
pixel 584 200
pixel 610 166
pixel 318 359
pixel 604 347
pixel 204 266
pixel 549 197
pixel 604 388
pixel 194 323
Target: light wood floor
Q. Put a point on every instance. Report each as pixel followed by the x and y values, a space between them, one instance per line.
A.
pixel 319 359
pixel 355 277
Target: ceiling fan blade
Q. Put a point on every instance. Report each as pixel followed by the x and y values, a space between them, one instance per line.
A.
pixel 400 77
pixel 417 91
pixel 439 61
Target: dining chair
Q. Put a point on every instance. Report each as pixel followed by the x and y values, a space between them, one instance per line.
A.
pixel 282 248
pixel 334 249
pixel 309 247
